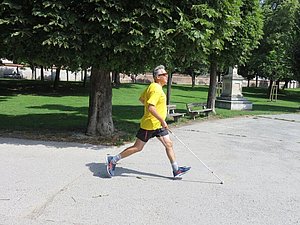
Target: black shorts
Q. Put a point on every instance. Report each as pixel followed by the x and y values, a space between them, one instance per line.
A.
pixel 145 135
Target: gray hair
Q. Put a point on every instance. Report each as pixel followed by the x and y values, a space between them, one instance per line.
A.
pixel 156 70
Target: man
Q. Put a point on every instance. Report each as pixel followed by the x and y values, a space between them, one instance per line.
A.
pixel 152 124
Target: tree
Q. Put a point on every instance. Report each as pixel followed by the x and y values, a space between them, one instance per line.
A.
pixel 296 48
pixel 274 57
pixel 118 35
pixel 247 72
pixel 238 28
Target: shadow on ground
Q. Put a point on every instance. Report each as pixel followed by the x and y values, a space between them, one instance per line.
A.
pixel 99 170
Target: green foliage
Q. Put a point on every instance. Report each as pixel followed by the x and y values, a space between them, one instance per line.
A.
pixel 119 35
pixel 274 58
pixel 296 48
pixel 129 36
pixel 237 31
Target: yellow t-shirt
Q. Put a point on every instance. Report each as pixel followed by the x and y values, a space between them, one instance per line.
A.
pixel 153 95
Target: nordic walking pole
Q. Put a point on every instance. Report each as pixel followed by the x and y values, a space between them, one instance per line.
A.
pixel 221 182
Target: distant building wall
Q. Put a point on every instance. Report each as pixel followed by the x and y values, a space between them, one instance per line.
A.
pixel 176 79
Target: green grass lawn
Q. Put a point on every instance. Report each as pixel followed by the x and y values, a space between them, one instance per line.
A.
pixel 34 106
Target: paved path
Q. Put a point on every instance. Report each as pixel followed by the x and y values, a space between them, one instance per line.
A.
pixel 45 183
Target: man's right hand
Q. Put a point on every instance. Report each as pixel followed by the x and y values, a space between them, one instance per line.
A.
pixel 165 125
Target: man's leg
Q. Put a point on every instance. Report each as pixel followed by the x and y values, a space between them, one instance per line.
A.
pixel 112 160
pixel 167 142
pixel 136 147
pixel 177 171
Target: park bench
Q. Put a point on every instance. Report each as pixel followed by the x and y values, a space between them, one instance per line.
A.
pixel 197 108
pixel 172 113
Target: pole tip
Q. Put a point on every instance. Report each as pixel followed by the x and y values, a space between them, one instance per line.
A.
pixel 221 182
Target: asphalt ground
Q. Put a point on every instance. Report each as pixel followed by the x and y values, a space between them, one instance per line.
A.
pixel 258 158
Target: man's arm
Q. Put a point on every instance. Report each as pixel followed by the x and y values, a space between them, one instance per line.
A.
pixel 153 111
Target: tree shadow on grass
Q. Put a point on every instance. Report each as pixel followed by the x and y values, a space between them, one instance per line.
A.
pixel 261 93
pixel 70 114
pixel 2 99
pixel 62 108
pixel 127 112
pixel 127 118
pixel 42 88
pixel 51 121
pixel 120 112
pixel 68 120
pixel 60 127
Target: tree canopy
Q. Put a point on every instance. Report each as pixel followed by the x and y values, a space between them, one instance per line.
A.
pixel 277 53
pixel 122 35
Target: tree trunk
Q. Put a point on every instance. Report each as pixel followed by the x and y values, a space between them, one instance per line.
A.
pixel 286 82
pixel 169 88
pixel 67 75
pixel 212 86
pixel 32 72
pixel 269 89
pixel 193 79
pixel 51 73
pixel 84 78
pixel 116 78
pixel 219 75
pixel 100 104
pixel 133 78
pixel 42 73
pixel 57 74
pixel 256 81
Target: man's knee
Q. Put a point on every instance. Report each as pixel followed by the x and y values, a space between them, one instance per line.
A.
pixel 169 144
pixel 138 148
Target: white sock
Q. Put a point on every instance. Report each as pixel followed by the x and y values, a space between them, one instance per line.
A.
pixel 174 166
pixel 116 158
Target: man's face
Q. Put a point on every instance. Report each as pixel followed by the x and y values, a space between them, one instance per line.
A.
pixel 162 77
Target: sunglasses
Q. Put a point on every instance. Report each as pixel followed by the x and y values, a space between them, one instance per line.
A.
pixel 163 74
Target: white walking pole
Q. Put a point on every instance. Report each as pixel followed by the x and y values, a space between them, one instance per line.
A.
pixel 221 182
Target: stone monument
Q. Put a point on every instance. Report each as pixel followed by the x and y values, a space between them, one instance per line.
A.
pixel 232 97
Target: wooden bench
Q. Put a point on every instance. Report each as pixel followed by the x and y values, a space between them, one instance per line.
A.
pixel 197 108
pixel 172 113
